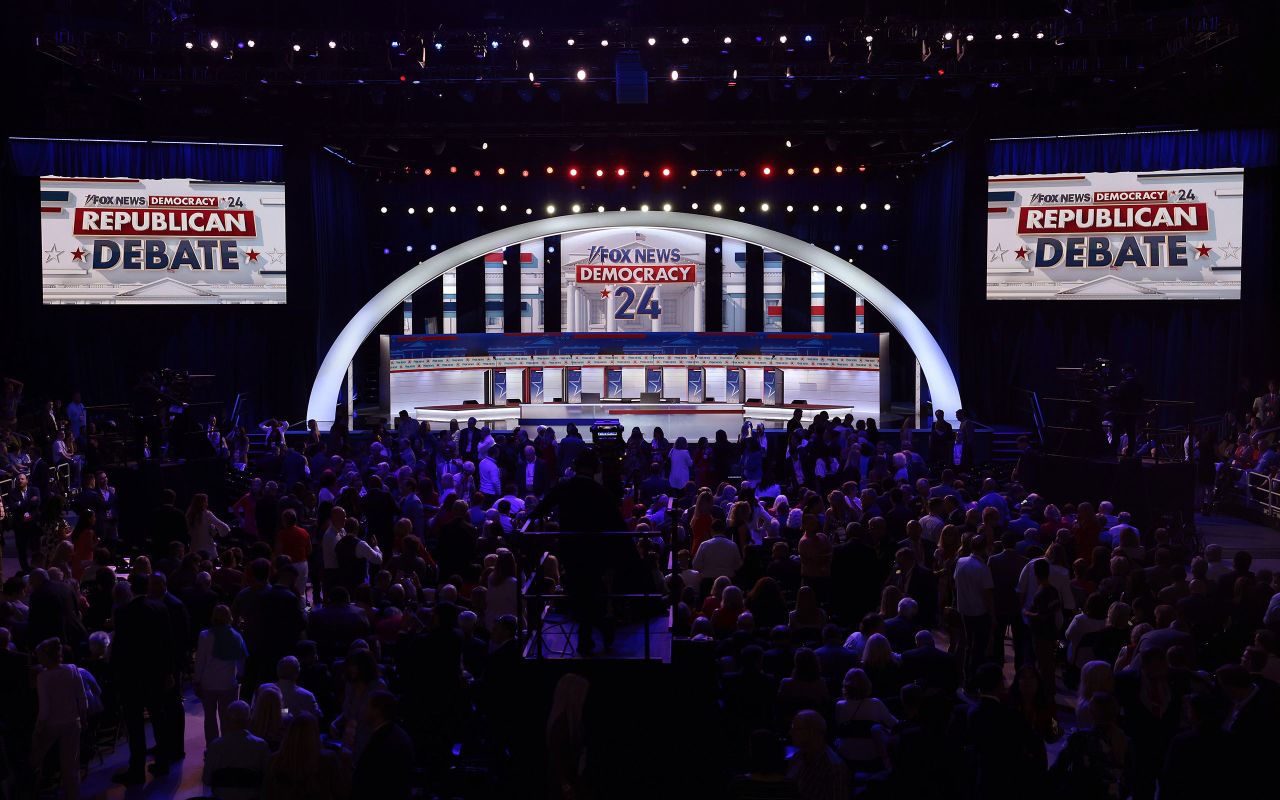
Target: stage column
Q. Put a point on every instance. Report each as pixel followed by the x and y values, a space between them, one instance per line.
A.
pixel 611 306
pixel 699 307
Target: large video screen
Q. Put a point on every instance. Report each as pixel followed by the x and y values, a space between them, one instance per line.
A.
pixel 127 241
pixel 1115 236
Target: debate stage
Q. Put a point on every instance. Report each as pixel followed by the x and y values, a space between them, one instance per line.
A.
pixel 690 420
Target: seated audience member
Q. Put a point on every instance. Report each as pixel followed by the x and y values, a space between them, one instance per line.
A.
pixel 235 763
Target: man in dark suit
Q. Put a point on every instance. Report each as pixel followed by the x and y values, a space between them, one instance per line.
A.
pixel 142 656
pixel 833 660
pixel 22 506
pixel 168 524
pixel 334 625
pixel 469 441
pixel 384 767
pixel 935 670
pixel 919 583
pixel 534 476
pixel 856 581
pixel 170 735
pixel 998 744
pixel 53 611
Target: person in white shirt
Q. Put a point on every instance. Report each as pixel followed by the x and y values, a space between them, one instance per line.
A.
pixel 203 526
pixel 718 555
pixel 220 657
pixel 236 749
pixel 490 476
pixel 329 545
pixel 295 699
pixel 1059 579
pixel 975 601
pixel 681 463
pixel 865 744
pixel 63 710
pixel 1217 567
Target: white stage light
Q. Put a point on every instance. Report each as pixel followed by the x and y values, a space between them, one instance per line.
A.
pixel 332 44
pixel 453 209
pixel 666 206
pixel 887 206
pixel 604 42
pixel 297 47
pixel 531 78
pixel 684 40
pixel 862 206
pixel 551 209
pixel 431 209
pixel 502 207
pixel 790 209
pixel 410 209
pixel 582 74
pixel 383 209
pixel 782 39
pixel 251 43
pixel 815 207
pixel 644 207
pixel 728 40
pixel 190 45
pixel 213 44
pixel 571 42
pixel 600 209
pixel 525 42
pixel 694 206
pixel 479 209
pixel 652 41
pixel 870 38
pixel 576 208
pixel 675 74
pixel 764 206
pixel 948 36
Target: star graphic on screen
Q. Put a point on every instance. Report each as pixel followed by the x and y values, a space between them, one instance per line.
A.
pixel 275 256
pixel 252 255
pixel 77 254
pixel 1230 250
pixel 1020 254
pixel 999 253
pixel 1203 250
pixel 604 294
pixel 53 254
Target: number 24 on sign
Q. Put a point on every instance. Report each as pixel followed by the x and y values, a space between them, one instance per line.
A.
pixel 645 305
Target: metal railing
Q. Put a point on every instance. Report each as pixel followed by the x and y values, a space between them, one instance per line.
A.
pixel 533 602
pixel 1262 491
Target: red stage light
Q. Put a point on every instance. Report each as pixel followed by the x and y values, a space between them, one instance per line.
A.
pixel 646 173
pixel 524 173
pixel 941 72
pixel 719 173
pixel 666 172
pixel 573 172
pixel 427 171
pixel 404 77
pixel 622 172
pixel 767 171
pixel 476 173
pixel 742 173
pixel 453 169
pixel 862 168
pixel 599 173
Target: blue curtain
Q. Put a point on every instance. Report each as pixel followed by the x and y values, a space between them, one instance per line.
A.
pixel 1134 153
pixel 108 159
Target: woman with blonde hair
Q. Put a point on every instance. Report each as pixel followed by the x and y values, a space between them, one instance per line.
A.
pixel 266 717
pixel 1095 677
pixel 302 769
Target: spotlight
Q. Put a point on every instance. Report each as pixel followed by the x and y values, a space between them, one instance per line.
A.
pixel 433 248
pixel 395 42
pixel 525 42
pixel 582 74
pixel 599 173
pixel 666 206
pixel 716 208
pixel 411 209
pixel 531 78
pixel 571 43
pixel 431 209
pixel 604 42
pixel 476 173
pixel 503 208
pixel 551 170
pixel 808 38
pixel 790 209
pixel 652 41
pixel 764 206
pixel 551 209
pixel 693 173
pixel 948 36
pixel 386 251
pixel 528 211
pixel 622 208
pixel 408 248
pixel 862 206
pixel 213 44
pixel 622 172
pixel 782 39
pixel 675 74
pixel 839 168
pixel 502 170
pixel 332 44
pixel 644 207
pixel 251 43
pixel 839 209
pixel 190 45
pixel 870 38
pixel 438 46
pixel 383 209
pixel 694 206
pixel 600 209
pixel 791 170
pixel 999 36
pixel 684 40
pixel 766 171
pixel 297 47
pixel 728 40
pixel 836 248
pixel 1016 35
pixel 573 172
pixel 884 247
pixel 576 208
pixel 453 170
pixel 742 209
pixel 479 209
pixel 666 172
pixel 887 206
pixel 1039 34
pixel 453 209
pixel 969 38
pixel 860 248
pixel 817 170
pixel 484 145
pixel 494 44
pixel 815 207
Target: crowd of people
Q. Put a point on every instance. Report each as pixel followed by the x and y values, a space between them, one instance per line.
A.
pixel 353 620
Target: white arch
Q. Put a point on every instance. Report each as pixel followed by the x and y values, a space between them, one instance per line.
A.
pixel 328 384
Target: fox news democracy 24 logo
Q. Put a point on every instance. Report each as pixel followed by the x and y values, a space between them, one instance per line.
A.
pixel 635 266
pixel 130 241
pixel 1115 235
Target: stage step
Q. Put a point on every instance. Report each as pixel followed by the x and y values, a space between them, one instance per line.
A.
pixel 1004 444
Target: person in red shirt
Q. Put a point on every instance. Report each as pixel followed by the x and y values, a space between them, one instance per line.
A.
pixel 295 543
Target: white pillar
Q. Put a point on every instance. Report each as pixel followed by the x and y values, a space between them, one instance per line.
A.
pixel 611 305
pixel 699 307
pixel 570 322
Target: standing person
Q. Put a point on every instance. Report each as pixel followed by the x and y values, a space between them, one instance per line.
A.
pixel 1044 618
pixel 294 543
pixel 384 767
pixel 587 508
pixel 203 527
pixel 167 525
pixel 220 657
pixel 681 463
pixel 171 736
pixel 329 546
pixel 1006 566
pixel 141 653
pixel 942 441
pixel 975 603
pixel 23 508
pixel 491 475
pixel 63 710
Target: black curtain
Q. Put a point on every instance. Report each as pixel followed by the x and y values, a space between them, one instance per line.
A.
pixel 754 305
pixel 551 312
pixel 797 295
pixel 713 299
